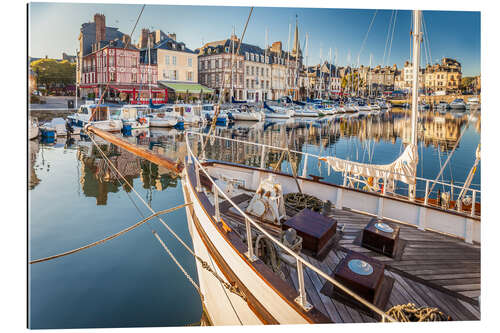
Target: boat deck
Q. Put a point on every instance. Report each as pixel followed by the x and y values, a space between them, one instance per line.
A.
pixel 431 270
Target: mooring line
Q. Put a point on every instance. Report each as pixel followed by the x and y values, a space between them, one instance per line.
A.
pixel 165 211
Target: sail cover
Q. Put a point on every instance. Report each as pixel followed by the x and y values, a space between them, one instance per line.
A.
pixel 403 168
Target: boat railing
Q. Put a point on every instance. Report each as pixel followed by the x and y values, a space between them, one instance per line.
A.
pixel 426 183
pixel 249 223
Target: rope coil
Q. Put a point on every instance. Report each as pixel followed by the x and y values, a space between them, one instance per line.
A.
pixel 410 313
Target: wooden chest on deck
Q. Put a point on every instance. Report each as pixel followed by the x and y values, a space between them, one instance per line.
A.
pixel 381 237
pixel 315 229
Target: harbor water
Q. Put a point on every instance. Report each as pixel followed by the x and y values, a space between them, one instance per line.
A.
pixel 75 198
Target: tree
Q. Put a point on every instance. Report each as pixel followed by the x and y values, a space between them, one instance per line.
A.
pixel 467 83
pixel 52 73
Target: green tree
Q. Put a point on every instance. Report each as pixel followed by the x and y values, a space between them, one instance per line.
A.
pixel 54 73
pixel 467 83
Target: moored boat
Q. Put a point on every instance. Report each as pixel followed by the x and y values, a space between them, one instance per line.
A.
pixel 33 129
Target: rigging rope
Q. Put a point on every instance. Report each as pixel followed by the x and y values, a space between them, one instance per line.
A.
pixel 165 211
pixel 410 313
pixel 392 37
pixel 453 150
pixel 232 288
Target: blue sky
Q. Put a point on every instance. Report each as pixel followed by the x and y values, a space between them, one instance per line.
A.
pixel 456 34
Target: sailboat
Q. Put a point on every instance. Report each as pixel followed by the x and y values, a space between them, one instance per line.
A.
pixel 284 245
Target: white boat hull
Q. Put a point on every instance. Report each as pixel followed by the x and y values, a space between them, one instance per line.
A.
pixel 222 306
pixel 165 122
pixel 33 132
pixel 248 116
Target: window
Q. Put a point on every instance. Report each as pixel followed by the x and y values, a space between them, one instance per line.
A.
pixel 190 76
pixel 212 63
pixel 167 60
pixel 247 56
pixel 247 86
pixel 190 62
pixel 174 60
pixel 262 71
pixel 220 63
pixel 267 71
pixel 252 70
pixel 172 75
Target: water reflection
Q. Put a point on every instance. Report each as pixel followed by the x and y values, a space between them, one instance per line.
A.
pixel 98 178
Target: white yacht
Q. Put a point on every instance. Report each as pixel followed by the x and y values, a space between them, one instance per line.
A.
pixel 97 115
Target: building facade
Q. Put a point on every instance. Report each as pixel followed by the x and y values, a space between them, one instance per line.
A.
pixel 108 63
pixel 445 76
pixel 221 69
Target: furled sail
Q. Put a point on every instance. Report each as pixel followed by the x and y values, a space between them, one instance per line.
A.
pixel 403 168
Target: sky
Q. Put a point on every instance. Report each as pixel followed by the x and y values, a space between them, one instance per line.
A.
pixel 54 28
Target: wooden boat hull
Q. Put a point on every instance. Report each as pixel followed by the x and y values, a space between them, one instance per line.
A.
pixel 269 300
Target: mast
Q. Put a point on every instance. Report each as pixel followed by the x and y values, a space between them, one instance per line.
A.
pixel 232 63
pixel 288 60
pixel 307 71
pixel 417 36
pixel 76 80
pixel 330 74
pixel 149 67
pixel 369 77
pixel 266 66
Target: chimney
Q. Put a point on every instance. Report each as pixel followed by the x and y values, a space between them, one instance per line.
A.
pixel 100 27
pixel 172 36
pixel 143 42
pixel 276 47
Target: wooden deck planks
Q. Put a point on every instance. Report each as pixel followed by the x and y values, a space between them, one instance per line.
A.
pixel 429 261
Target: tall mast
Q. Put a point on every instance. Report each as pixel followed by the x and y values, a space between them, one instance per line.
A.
pixel 330 74
pixel 76 79
pixel 369 76
pixel 149 67
pixel 232 63
pixel 307 73
pixel 266 63
pixel 288 59
pixel 417 36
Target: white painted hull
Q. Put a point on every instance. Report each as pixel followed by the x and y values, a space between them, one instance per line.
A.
pixel 33 132
pixel 300 113
pixel 134 124
pixel 222 306
pixel 248 116
pixel 225 308
pixel 164 122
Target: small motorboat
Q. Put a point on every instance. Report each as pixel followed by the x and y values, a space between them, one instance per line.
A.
pixel 457 103
pixel 97 115
pixel 245 113
pixel 134 116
